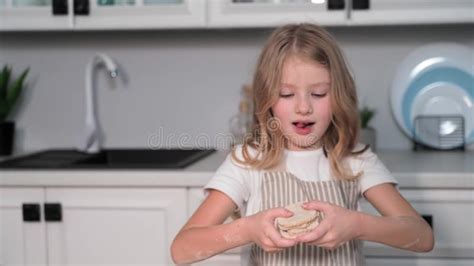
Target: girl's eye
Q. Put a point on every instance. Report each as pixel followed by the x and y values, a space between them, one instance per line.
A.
pixel 288 95
pixel 318 95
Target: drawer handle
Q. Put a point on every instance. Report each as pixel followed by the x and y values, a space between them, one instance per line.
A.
pixel 31 212
pixel 428 218
pixel 52 212
pixel 360 4
pixel 59 7
pixel 336 5
pixel 81 7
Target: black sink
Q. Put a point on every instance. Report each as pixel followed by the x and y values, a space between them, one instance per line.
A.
pixel 45 159
pixel 109 159
pixel 138 158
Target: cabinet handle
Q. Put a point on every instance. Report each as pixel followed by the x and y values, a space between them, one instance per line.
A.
pixel 53 212
pixel 31 212
pixel 59 7
pixel 429 219
pixel 360 4
pixel 81 7
pixel 336 4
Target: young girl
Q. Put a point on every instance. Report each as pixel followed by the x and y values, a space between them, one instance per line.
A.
pixel 303 148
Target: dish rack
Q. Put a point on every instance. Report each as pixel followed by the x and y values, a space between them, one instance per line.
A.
pixel 439 132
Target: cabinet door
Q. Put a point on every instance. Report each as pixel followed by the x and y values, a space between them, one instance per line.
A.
pixel 270 13
pixel 374 12
pixel 418 262
pixel 451 213
pixel 34 15
pixel 114 226
pixel 21 243
pixel 143 14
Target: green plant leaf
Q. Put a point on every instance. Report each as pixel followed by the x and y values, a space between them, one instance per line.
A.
pixel 366 115
pixel 14 92
pixel 4 108
pixel 4 79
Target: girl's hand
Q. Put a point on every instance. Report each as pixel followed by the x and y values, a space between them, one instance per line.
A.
pixel 261 229
pixel 338 226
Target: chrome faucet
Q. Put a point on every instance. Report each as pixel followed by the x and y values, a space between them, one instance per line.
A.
pixel 91 142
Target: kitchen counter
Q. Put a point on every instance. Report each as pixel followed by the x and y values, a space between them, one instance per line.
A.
pixel 412 170
pixel 444 172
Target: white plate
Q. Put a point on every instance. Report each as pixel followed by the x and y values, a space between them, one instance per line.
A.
pixel 436 79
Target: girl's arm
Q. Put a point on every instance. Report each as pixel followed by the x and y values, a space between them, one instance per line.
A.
pixel 204 235
pixel 400 226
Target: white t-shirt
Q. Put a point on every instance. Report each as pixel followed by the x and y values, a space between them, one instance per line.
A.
pixel 243 184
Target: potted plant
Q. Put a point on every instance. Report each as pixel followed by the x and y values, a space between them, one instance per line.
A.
pixel 10 91
pixel 368 133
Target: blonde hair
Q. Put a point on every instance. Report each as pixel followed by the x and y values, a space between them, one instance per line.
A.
pixel 315 43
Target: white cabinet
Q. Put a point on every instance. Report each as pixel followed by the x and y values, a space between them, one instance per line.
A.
pixel 271 13
pixel 451 212
pixel 112 226
pixel 383 12
pixel 229 13
pixel 170 14
pixel 22 242
pixel 32 15
pixel 135 226
pixel 101 14
pixel 92 226
pixel 234 260
pixel 452 216
pixel 417 262
pixel 143 14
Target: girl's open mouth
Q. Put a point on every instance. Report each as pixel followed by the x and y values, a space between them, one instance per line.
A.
pixel 303 128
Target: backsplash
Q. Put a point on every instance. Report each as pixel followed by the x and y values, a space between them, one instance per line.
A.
pixel 182 87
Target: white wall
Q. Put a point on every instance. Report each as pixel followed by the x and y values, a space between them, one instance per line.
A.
pixel 184 81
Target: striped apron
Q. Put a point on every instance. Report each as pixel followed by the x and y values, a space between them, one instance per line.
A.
pixel 283 188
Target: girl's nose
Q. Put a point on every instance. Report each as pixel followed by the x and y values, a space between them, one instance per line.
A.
pixel 303 105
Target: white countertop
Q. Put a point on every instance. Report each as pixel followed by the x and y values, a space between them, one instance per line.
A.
pixel 411 169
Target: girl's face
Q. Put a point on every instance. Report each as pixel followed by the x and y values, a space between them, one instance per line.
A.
pixel 303 106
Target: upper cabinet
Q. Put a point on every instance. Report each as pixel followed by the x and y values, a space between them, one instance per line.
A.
pixel 143 14
pixel 101 14
pixel 269 13
pixel 384 12
pixel 264 13
pixel 170 14
pixel 34 15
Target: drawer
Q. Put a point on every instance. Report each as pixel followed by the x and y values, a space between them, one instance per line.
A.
pixel 451 213
pixel 418 262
